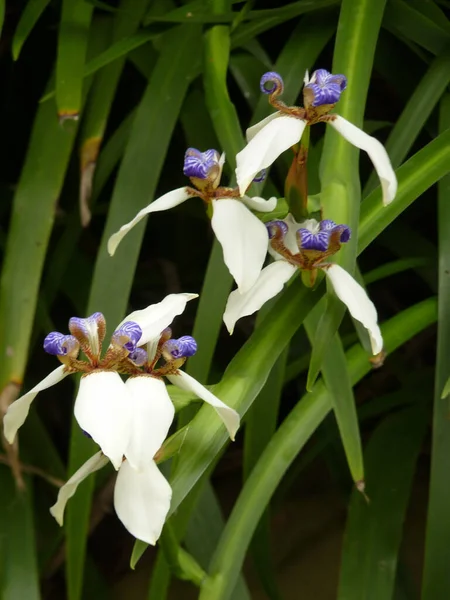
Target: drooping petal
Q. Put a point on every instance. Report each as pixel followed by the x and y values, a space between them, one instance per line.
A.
pixel 358 303
pixel 142 501
pixel 269 284
pixel 103 410
pixel 254 129
pixel 152 415
pixel 229 416
pixel 266 146
pixel 376 151
pixel 18 411
pixel 95 463
pixel 169 200
pixel 156 317
pixel 260 204
pixel 243 238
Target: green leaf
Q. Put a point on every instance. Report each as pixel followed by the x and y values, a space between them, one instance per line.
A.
pixel 284 446
pixel 135 185
pixel 340 192
pixel 28 19
pixel 374 526
pixel 404 20
pixel 19 578
pixel 72 47
pixel 32 219
pixel 339 386
pixel 436 582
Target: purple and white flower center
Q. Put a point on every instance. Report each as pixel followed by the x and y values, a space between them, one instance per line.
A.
pixel 316 235
pixel 89 331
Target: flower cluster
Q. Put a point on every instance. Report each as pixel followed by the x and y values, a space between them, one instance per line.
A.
pixel 130 419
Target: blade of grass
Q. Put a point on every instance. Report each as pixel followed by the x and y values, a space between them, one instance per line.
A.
pixel 374 529
pixel 401 18
pixel 72 47
pixel 19 574
pixel 28 19
pixel 135 184
pixel 284 446
pixel 436 581
pixel 31 223
pixel 100 101
pixel 356 40
pixel 339 386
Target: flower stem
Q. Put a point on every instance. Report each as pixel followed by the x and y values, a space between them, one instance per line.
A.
pixel 296 186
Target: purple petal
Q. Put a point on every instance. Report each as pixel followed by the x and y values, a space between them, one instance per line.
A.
pixel 271 82
pixel 183 347
pixel 199 164
pixel 139 356
pixel 327 88
pixel 320 76
pixel 276 227
pixel 327 225
pixel 85 328
pixel 313 241
pixel 345 232
pixel 59 344
pixel 128 335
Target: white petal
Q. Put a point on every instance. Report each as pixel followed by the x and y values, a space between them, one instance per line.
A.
pixel 243 238
pixel 156 317
pixel 95 463
pixel 103 410
pixel 142 501
pixel 260 204
pixel 18 411
pixel 169 200
pixel 376 151
pixel 358 303
pixel 228 415
pixel 269 284
pixel 266 146
pixel 254 129
pixel 152 416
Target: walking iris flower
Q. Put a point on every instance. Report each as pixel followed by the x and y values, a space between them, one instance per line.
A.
pixel 306 246
pixel 241 234
pixel 128 420
pixel 278 132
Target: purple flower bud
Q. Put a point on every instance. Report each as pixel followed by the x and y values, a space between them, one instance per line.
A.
pixel 327 88
pixel 139 357
pixel 183 347
pixel 128 335
pixel 275 228
pixel 59 344
pixel 199 164
pixel 89 331
pixel 271 82
pixel 307 240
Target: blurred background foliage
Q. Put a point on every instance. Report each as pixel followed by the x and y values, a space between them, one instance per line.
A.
pixel 145 79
